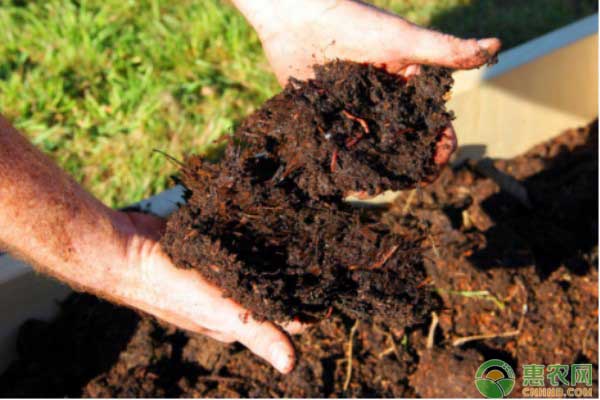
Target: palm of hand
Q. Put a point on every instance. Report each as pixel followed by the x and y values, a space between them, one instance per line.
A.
pixel 183 298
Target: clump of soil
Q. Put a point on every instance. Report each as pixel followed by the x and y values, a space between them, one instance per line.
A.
pixel 308 262
pixel 504 297
pixel 354 127
pixel 267 223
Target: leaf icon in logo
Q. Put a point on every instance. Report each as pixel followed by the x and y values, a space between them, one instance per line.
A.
pixel 507 385
pixel 489 388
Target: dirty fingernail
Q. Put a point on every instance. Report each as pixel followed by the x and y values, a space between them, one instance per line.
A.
pixel 281 357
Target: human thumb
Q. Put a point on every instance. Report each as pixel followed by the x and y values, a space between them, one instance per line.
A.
pixel 267 341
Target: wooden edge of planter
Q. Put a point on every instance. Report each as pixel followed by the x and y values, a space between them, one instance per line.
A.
pixel 536 91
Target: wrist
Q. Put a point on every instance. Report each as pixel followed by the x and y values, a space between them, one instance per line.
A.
pixel 97 259
pixel 102 264
pixel 269 17
pixel 129 268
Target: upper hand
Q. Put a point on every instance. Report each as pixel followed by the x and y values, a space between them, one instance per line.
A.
pixel 352 30
pixel 301 34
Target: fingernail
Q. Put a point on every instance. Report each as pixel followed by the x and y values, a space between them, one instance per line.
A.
pixel 490 45
pixel 281 357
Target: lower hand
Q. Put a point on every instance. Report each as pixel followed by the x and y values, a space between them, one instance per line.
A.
pixel 183 298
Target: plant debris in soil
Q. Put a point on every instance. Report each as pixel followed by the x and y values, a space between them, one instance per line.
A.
pixel 504 296
pixel 268 224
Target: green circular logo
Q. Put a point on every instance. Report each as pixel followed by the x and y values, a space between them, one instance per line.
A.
pixel 495 379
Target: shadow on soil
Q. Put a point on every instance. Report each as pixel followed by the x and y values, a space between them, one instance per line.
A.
pixel 560 226
pixel 84 341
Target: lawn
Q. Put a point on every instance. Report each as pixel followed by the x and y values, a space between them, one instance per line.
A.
pixel 100 84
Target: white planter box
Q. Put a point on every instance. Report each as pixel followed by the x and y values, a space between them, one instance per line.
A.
pixel 536 90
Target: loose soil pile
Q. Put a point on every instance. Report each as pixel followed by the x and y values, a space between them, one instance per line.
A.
pixel 268 224
pixel 517 275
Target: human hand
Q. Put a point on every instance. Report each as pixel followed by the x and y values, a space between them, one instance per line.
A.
pixel 151 283
pixel 296 35
pixel 114 255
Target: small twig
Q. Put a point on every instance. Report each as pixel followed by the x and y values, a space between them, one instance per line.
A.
pixel 466 339
pixel 405 130
pixel 522 319
pixel 433 246
pixel 516 332
pixel 333 161
pixel 409 200
pixel 169 157
pixel 379 263
pixel 386 352
pixel 386 257
pixel 217 378
pixel 227 379
pixel 352 141
pixel 391 349
pixel 434 323
pixel 349 356
pixel 424 282
pixel 466 220
pixel 290 167
pixel 482 294
pixel 396 352
pixel 361 121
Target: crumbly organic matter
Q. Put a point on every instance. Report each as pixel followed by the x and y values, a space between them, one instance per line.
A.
pixel 268 224
pixel 306 263
pixel 532 305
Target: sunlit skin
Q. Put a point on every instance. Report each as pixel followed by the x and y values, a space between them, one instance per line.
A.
pixel 47 219
pixel 296 35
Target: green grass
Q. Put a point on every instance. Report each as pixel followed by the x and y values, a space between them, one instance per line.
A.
pixel 99 84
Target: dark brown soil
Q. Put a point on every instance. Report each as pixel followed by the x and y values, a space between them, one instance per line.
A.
pixel 352 128
pixel 267 223
pixel 536 304
pixel 309 263
pixel 537 259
